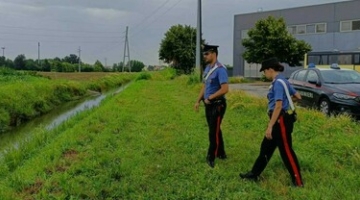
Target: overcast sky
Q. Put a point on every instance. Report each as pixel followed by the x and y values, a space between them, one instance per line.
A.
pixel 98 26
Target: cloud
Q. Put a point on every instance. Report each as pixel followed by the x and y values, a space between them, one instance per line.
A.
pixel 106 13
pixel 13 8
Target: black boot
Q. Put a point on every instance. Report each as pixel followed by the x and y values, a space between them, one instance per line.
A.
pixel 249 176
pixel 210 162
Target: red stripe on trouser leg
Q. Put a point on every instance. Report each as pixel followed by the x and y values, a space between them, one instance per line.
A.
pixel 288 153
pixel 217 133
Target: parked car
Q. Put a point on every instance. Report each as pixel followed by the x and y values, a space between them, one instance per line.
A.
pixel 331 90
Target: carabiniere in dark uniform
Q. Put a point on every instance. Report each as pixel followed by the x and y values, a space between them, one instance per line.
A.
pixel 213 95
pixel 280 126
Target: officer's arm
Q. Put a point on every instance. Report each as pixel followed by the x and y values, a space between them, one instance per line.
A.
pixel 275 114
pixel 221 92
pixel 201 94
pixel 296 96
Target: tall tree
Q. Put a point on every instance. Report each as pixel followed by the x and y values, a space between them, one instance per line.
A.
pixel 86 67
pixel 115 67
pixel 98 66
pixel 178 47
pixel 19 62
pixel 9 63
pixel 31 64
pixel 2 61
pixel 46 67
pixel 71 59
pixel 270 38
pixel 136 66
pixel 57 66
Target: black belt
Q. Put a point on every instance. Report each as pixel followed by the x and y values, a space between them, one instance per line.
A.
pixel 282 112
pixel 218 100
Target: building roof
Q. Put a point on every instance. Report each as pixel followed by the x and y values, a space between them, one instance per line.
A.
pixel 291 8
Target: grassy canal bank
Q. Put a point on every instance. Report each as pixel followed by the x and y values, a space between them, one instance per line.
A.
pixel 148 143
pixel 25 95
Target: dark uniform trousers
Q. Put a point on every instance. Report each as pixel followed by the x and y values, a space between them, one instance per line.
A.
pixel 214 115
pixel 281 137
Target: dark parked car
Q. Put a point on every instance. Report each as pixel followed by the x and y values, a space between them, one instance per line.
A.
pixel 332 90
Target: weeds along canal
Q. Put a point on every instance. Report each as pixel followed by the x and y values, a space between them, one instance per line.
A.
pixel 52 119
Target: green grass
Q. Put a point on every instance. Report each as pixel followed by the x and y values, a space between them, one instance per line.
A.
pixel 148 143
pixel 25 95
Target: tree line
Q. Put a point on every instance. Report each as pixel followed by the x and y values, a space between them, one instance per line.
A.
pixel 67 64
pixel 269 37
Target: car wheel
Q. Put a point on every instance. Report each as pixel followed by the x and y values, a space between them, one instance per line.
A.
pixel 324 106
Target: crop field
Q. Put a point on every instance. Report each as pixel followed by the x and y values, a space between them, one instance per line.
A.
pixel 76 76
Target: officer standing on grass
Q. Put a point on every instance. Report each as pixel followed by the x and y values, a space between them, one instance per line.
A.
pixel 215 86
pixel 280 126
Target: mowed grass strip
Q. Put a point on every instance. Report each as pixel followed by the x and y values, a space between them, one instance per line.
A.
pixel 148 143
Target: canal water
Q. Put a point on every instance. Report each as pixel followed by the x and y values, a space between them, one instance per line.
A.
pixel 52 119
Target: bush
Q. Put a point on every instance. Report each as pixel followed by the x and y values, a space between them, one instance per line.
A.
pixel 144 76
pixel 169 73
pixel 264 79
pixel 194 78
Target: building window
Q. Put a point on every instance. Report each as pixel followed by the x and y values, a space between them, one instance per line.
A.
pixel 314 59
pixel 244 34
pixel 333 59
pixel 352 25
pixel 310 28
pixel 321 28
pixel 345 26
pixel 344 59
pixel 292 30
pixel 356 25
pixel 307 29
pixel 324 60
pixel 357 59
pixel 301 29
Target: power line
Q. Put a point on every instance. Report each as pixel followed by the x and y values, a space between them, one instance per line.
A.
pixel 70 36
pixel 37 6
pixel 56 30
pixel 55 41
pixel 134 48
pixel 107 48
pixel 149 16
pixel 141 30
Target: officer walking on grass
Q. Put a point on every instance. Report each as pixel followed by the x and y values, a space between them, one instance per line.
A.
pixel 280 125
pixel 212 93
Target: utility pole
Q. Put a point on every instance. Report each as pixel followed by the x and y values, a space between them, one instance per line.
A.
pixel 105 62
pixel 39 53
pixel 198 40
pixel 79 50
pixel 3 48
pixel 126 50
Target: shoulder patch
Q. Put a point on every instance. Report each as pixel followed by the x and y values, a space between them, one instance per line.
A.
pixel 220 65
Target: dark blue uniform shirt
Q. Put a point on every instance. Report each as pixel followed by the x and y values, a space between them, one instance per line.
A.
pixel 216 78
pixel 277 93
